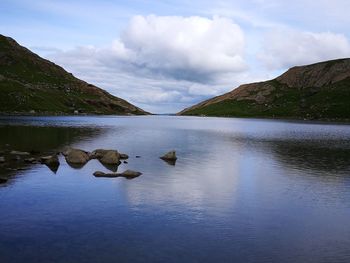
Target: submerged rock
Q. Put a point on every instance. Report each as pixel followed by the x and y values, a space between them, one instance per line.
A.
pixel 76 156
pixel 34 152
pixel 170 156
pixel 19 153
pixel 3 180
pixel 16 158
pixel 30 160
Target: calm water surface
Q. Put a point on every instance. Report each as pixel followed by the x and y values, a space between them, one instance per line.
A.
pixel 241 191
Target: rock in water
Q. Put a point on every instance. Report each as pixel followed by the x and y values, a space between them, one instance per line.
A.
pixel 170 156
pixel 111 157
pixel 129 174
pixel 107 175
pixel 51 161
pixel 76 156
pixel 106 156
pixel 124 156
pixel 99 174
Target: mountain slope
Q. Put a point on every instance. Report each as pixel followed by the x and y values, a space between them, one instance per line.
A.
pixel 317 91
pixel 29 83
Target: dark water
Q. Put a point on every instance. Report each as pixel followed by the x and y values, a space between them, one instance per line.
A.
pixel 241 191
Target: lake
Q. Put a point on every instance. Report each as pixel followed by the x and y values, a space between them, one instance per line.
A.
pixel 242 190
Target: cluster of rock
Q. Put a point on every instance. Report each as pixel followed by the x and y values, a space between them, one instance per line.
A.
pixel 77 158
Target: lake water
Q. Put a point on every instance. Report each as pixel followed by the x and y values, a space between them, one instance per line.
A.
pixel 242 190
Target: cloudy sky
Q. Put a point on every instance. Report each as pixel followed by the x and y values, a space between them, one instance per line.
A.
pixel 167 55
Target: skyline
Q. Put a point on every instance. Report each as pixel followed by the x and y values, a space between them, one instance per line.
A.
pixel 167 56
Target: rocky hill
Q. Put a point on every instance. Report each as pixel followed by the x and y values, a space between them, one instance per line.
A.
pixel 317 91
pixel 32 85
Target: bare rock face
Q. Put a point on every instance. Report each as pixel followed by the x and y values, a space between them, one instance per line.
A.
pixel 76 156
pixel 106 156
pixel 170 156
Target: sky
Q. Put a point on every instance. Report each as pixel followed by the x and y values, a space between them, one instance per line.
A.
pixel 166 55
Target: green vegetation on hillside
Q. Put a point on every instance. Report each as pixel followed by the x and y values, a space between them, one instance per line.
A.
pixel 331 101
pixel 30 84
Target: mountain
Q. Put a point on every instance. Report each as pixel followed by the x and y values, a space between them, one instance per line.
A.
pixel 31 84
pixel 317 91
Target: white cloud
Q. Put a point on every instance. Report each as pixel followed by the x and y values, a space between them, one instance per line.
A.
pixel 285 48
pixel 187 48
pixel 168 59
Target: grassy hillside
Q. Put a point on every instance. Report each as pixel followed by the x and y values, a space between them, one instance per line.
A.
pixel 30 83
pixel 325 98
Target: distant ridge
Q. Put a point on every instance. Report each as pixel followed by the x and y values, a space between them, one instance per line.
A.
pixel 32 85
pixel 316 91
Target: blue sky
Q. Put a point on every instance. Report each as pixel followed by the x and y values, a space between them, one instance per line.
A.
pixel 167 55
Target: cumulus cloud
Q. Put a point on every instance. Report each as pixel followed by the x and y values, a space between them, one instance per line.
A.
pixel 285 48
pixel 163 59
pixel 190 48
